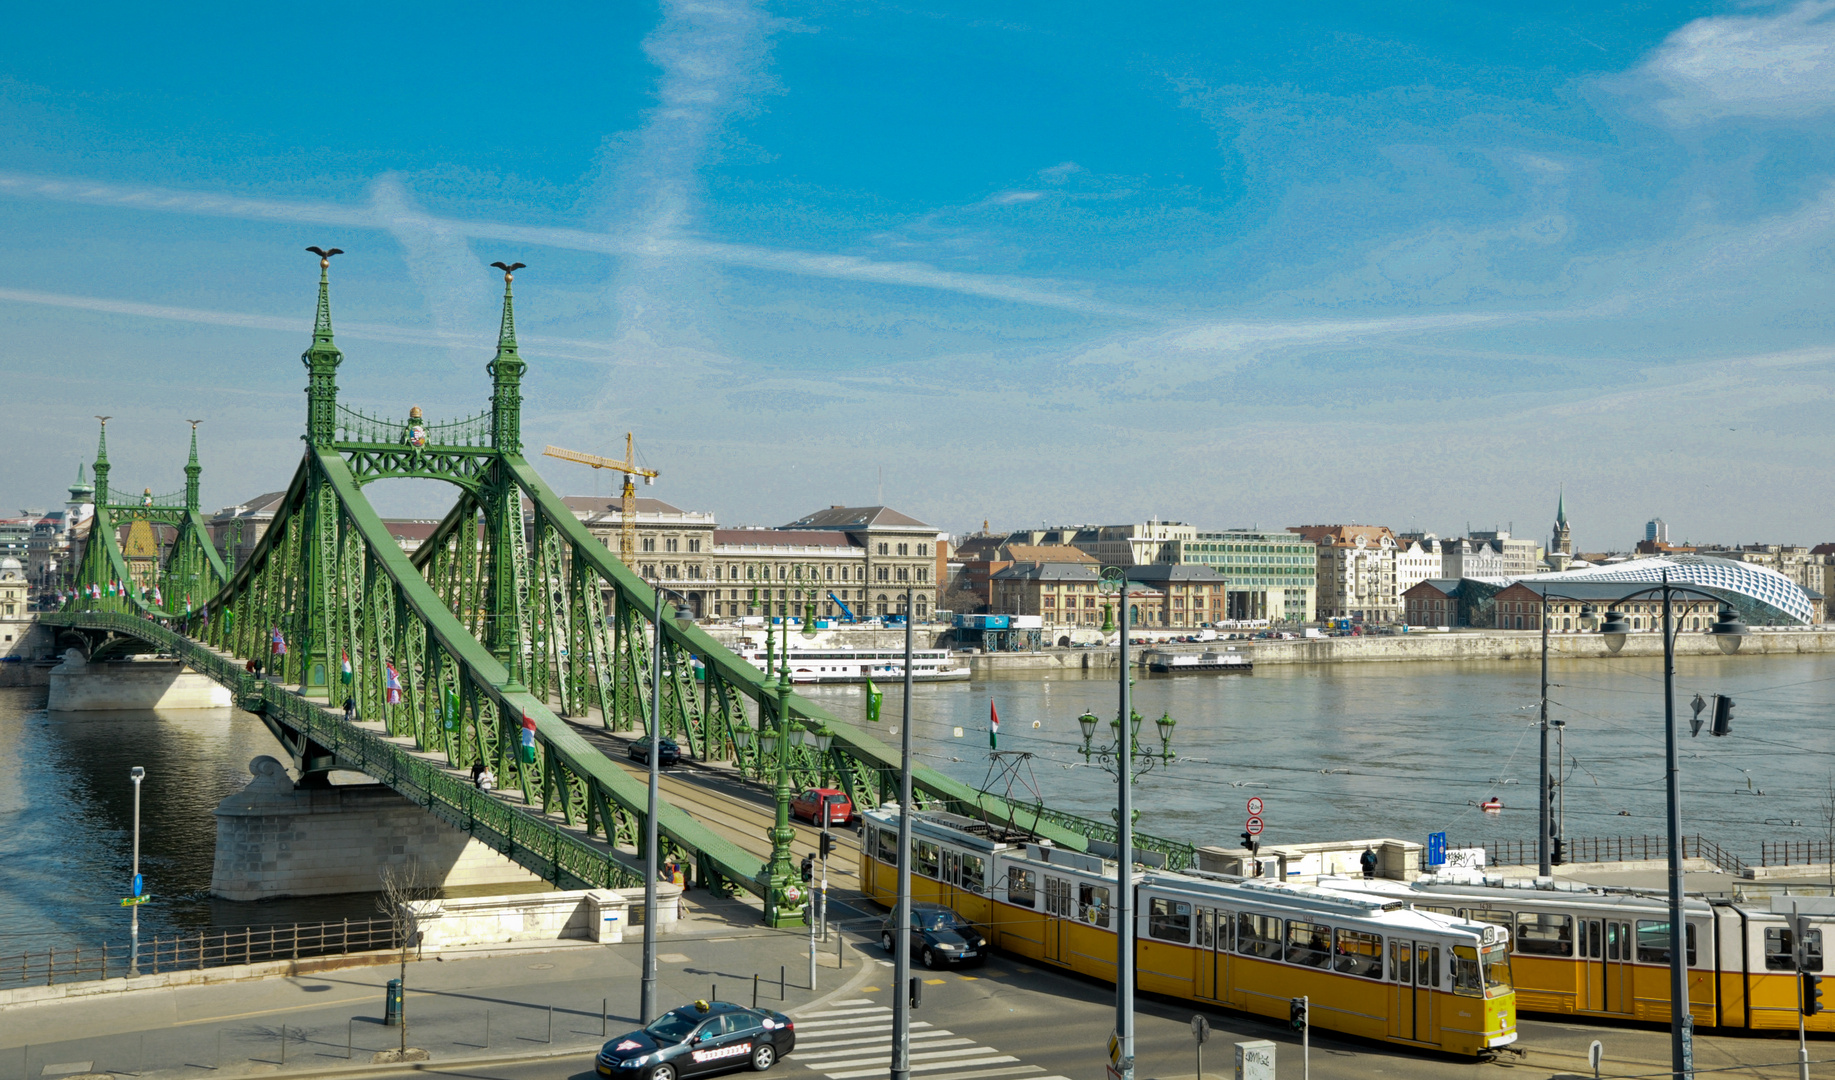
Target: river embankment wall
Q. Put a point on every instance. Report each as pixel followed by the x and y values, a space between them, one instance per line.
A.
pixel 1490 645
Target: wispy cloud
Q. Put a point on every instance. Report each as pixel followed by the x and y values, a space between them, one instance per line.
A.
pixel 1775 66
pixel 561 348
pixel 913 275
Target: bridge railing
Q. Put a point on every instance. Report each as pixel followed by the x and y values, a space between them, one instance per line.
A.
pixel 1604 849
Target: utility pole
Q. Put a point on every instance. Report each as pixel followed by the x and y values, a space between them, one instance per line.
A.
pixel 901 911
pixel 136 774
pixel 1124 860
pixel 1545 817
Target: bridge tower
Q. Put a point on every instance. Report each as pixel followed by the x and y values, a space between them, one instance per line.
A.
pixel 503 497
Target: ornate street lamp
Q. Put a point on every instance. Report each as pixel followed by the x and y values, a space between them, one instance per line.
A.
pixel 783 886
pixel 684 618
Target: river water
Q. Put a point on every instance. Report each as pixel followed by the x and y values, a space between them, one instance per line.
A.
pixel 1335 752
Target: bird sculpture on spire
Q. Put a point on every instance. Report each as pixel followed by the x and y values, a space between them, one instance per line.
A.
pixel 510 269
pixel 325 255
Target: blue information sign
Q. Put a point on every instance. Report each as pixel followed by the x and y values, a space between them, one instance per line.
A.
pixel 1436 849
pixel 139 885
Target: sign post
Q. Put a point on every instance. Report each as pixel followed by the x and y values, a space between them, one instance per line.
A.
pixel 1596 1053
pixel 1436 849
pixel 1200 1031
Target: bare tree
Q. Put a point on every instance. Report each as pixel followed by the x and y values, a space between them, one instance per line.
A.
pixel 1828 819
pixel 404 893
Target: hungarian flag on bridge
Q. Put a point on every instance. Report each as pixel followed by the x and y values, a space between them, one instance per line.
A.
pixel 993 727
pixel 344 672
pixel 392 686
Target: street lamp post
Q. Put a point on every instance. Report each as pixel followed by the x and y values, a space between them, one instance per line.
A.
pixel 647 997
pixel 1549 833
pixel 901 911
pixel 136 774
pixel 1124 753
pixel 1727 631
pixel 782 896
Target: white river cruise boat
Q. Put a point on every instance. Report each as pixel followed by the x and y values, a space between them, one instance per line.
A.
pixel 1181 663
pixel 859 665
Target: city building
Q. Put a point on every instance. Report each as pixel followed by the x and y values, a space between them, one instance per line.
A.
pixel 1355 572
pixel 1417 559
pixel 1265 575
pixel 237 529
pixel 13 588
pixel 977 574
pixel 1657 530
pixel 672 542
pixel 1065 594
pixel 900 551
pixel 1189 596
pixel 1433 603
pixel 763 571
pixel 1519 556
pixel 1761 595
pixel 1121 545
pixel 1472 558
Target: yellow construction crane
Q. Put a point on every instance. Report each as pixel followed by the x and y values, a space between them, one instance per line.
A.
pixel 627 531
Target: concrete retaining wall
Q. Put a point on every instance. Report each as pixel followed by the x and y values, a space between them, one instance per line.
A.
pixel 277 840
pixel 79 686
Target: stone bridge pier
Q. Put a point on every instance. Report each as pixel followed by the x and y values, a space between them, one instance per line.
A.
pixel 276 839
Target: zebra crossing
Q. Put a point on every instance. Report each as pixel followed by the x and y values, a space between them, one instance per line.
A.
pixel 852 1040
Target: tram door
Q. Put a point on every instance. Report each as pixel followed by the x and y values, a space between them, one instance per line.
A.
pixel 1609 976
pixel 1057 906
pixel 1411 971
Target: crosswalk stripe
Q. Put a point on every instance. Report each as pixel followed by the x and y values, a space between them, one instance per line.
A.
pixel 862 1046
pixel 848 1021
pixel 983 1074
pixel 881 1030
pixel 878 1048
pixel 882 1038
pixel 845 1012
pixel 929 1066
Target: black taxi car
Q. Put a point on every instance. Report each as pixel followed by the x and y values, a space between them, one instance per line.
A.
pixel 697 1040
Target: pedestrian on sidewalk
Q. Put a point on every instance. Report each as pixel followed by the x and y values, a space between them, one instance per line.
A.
pixel 477 774
pixel 1369 861
pixel 350 709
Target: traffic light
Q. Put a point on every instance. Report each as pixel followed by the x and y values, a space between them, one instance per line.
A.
pixel 1723 715
pixel 1812 993
pixel 917 991
pixel 828 843
pixel 1296 1013
pixel 809 867
pixel 1248 841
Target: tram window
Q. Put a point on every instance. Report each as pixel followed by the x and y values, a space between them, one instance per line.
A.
pixel 1169 920
pixel 1497 968
pixel 1022 888
pixel 972 873
pixel 1592 947
pixel 888 846
pixel 952 867
pixel 1544 934
pixel 1653 942
pixel 1308 944
pixel 1453 911
pixel 1358 953
pixel 1486 915
pixel 1401 961
pixel 1427 966
pixel 1057 896
pixel 1207 928
pixel 1258 935
pixel 1093 905
pixel 927 853
pixel 1465 971
pixel 1781 949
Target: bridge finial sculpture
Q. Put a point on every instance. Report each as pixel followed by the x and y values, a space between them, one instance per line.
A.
pixel 192 469
pixel 321 360
pixel 101 466
pixel 506 371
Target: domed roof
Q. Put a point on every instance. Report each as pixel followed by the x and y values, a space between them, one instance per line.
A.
pixel 11 567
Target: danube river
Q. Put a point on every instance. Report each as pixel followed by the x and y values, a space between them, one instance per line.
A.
pixel 1345 751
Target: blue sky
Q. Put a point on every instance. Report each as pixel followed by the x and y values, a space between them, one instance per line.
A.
pixel 1034 262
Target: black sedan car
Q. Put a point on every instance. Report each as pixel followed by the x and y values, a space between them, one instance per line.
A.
pixel 698 1040
pixel 940 937
pixel 671 753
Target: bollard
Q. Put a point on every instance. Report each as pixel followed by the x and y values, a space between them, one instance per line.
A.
pixel 219 1063
pixel 350 1028
pixel 143 1053
pixel 487 1029
pixel 550 1025
pixel 713 992
pixel 391 1005
pixel 812 956
pixel 25 1062
pixel 604 1007
pixel 754 989
pixel 283 1044
pixel 780 982
pixel 840 951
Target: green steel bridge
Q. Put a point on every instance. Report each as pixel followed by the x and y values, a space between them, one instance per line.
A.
pixel 511 610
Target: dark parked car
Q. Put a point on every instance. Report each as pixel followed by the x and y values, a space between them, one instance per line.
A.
pixel 939 937
pixel 698 1040
pixel 671 755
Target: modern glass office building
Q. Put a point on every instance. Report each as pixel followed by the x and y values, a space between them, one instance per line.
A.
pixel 1271 575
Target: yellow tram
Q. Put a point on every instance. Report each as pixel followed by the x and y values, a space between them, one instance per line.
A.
pixel 1605 953
pixel 1373 966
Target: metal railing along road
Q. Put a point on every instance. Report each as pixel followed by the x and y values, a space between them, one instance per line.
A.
pixel 195 952
pixel 1794 852
pixel 1601 849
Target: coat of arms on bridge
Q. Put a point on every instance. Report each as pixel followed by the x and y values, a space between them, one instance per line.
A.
pixel 416 435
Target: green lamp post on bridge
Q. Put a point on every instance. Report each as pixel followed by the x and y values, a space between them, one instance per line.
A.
pixel 785 897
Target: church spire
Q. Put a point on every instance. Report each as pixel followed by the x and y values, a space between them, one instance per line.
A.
pixel 1561 507
pixel 321 359
pixel 506 371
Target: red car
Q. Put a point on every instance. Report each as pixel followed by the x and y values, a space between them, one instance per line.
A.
pixel 808 806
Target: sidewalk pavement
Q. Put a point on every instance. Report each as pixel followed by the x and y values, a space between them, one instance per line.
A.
pixel 511 1001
